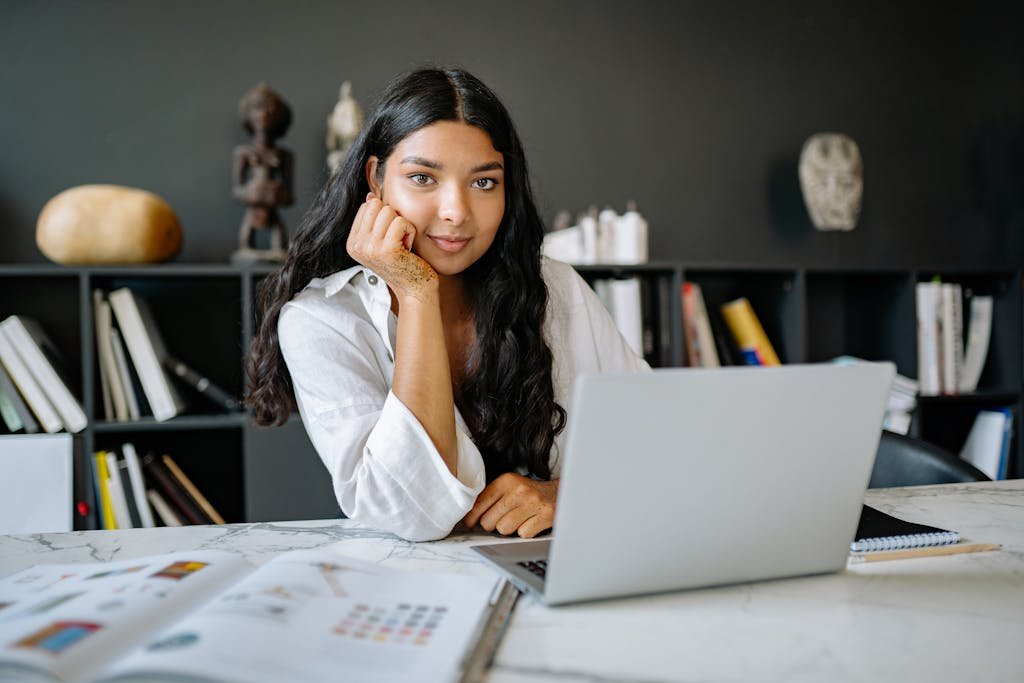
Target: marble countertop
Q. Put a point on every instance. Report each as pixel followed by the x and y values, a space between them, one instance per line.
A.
pixel 950 618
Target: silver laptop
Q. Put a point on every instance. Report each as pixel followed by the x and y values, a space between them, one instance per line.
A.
pixel 684 478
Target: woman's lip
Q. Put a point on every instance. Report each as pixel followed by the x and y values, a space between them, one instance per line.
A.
pixel 449 244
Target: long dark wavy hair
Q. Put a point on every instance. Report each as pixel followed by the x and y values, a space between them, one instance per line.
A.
pixel 507 397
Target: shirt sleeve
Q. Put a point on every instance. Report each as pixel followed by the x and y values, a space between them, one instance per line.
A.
pixel 386 471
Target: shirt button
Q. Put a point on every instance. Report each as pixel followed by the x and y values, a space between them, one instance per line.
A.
pixel 372 279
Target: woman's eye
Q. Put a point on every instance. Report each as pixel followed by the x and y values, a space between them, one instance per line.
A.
pixel 420 178
pixel 485 183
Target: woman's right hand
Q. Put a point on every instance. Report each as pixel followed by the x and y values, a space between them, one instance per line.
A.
pixel 381 240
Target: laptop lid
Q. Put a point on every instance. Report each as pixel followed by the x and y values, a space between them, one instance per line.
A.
pixel 689 477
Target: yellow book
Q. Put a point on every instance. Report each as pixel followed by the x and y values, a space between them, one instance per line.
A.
pixel 106 507
pixel 747 330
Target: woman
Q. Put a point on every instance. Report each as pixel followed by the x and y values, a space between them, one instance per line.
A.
pixel 427 346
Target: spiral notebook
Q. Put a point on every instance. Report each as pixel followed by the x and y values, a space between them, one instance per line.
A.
pixel 878 530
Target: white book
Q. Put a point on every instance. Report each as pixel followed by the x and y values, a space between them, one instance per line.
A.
pixel 978 332
pixel 147 351
pixel 131 458
pixel 705 337
pixel 124 374
pixel 927 297
pixel 163 510
pixel 984 445
pixel 627 307
pixel 101 359
pixel 117 493
pixel 40 357
pixel 951 336
pixel 30 390
pixel 105 350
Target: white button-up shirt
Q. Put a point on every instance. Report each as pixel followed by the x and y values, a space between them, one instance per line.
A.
pixel 338 338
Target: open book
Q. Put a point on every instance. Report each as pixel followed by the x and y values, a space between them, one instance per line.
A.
pixel 208 615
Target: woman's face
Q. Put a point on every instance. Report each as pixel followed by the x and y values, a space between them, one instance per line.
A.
pixel 447 180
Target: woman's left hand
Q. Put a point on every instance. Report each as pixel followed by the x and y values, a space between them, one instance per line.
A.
pixel 512 504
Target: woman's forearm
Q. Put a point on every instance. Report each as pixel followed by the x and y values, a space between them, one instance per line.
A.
pixel 423 380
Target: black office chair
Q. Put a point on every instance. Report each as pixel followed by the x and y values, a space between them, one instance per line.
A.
pixel 906 461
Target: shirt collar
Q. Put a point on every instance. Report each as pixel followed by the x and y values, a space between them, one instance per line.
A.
pixel 335 282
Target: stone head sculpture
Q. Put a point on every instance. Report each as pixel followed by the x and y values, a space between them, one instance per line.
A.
pixel 832 181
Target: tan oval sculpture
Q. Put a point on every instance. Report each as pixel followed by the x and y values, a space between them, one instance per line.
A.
pixel 107 224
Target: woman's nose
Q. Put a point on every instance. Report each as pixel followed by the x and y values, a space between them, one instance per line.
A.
pixel 453 207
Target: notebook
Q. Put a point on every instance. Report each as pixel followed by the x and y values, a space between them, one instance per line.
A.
pixel 878 530
pixel 684 477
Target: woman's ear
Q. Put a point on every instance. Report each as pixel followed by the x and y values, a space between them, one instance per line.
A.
pixel 372 164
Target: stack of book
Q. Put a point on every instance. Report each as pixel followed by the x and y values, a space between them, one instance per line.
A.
pixel 902 399
pixel 945 367
pixel 34 391
pixel 121 490
pixel 640 308
pixel 734 338
pixel 135 365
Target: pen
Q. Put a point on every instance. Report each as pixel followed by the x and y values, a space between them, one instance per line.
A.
pixel 930 551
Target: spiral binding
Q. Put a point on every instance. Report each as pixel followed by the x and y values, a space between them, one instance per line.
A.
pixel 903 542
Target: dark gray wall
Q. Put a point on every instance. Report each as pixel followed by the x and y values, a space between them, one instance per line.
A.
pixel 698 111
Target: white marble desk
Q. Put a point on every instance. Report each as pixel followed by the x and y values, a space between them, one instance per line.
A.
pixel 953 618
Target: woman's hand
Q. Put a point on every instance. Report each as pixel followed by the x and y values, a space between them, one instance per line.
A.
pixel 381 240
pixel 512 504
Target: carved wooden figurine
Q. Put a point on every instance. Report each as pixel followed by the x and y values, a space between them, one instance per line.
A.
pixel 263 173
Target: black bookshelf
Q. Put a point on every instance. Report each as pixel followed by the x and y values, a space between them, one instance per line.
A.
pixel 207 317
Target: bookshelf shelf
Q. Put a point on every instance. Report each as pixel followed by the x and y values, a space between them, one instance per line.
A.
pixel 206 314
pixel 148 424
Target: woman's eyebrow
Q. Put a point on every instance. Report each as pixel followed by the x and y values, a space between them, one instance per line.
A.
pixel 420 161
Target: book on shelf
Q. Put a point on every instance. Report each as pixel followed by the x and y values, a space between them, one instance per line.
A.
pixel 987 446
pixel 192 490
pixel 138 484
pixel 126 379
pixel 118 499
pixel 951 352
pixel 15 413
pixel 946 365
pixel 979 330
pixel 210 615
pixel 33 394
pixel 750 336
pixel 102 359
pixel 700 340
pixel 106 504
pixel 627 307
pixel 112 362
pixel 44 362
pixel 173 491
pixel 36 484
pixel 163 510
pixel 928 297
pixel 147 350
pixel 902 398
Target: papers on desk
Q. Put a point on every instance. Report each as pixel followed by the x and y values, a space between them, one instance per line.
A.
pixel 310 615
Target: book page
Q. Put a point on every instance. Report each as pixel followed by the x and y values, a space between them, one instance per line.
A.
pixel 73 620
pixel 319 616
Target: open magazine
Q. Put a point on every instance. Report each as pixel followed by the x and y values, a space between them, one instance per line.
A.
pixel 209 615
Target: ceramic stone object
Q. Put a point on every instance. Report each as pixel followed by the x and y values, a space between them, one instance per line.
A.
pixel 832 181
pixel 107 225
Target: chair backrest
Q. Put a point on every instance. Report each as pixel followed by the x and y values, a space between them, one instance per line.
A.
pixel 906 461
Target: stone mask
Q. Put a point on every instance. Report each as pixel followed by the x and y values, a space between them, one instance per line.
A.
pixel 832 180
